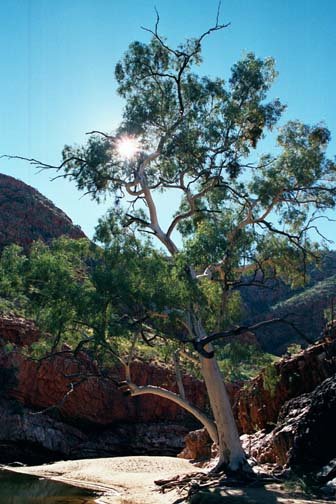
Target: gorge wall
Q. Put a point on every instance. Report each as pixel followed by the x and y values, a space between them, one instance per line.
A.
pixel 63 406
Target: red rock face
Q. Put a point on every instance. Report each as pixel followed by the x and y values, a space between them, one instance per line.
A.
pixel 45 384
pixel 18 330
pixel 257 406
pixel 72 384
pixel 26 215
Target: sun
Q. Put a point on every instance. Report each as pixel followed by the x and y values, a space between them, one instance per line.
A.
pixel 127 147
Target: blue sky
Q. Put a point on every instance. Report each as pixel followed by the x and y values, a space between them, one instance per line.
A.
pixel 58 59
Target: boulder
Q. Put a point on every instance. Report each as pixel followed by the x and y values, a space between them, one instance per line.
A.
pixel 197 445
pixel 303 438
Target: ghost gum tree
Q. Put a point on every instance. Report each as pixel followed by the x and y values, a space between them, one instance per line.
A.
pixel 242 219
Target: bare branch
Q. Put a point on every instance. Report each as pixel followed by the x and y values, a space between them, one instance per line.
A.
pixel 191 198
pixel 133 218
pixel 61 402
pixel 218 12
pixel 105 135
pixel 199 345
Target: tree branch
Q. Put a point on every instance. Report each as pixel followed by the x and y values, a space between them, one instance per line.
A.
pixel 133 390
pixel 199 345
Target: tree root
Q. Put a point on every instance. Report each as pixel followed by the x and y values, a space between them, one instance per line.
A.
pixel 191 484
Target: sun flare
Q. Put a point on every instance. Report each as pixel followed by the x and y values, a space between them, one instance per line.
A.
pixel 128 147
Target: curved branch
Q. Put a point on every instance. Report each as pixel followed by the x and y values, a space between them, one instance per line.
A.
pixel 191 198
pixel 135 390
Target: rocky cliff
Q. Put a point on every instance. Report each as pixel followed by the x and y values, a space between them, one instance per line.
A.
pixel 26 215
pixel 302 442
pixel 77 387
pixel 260 400
pixel 296 416
pixel 302 437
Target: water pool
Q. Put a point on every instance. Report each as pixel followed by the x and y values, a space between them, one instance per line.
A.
pixel 24 489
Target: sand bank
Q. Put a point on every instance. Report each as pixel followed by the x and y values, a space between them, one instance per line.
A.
pixel 130 480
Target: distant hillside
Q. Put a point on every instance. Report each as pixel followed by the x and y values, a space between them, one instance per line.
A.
pixel 304 307
pixel 26 215
pixel 306 310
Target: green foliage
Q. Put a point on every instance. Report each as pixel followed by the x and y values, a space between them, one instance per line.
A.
pixel 221 309
pixel 12 268
pixel 239 215
pixel 93 174
pixel 53 280
pixel 8 306
pixel 242 361
pixel 40 348
pixel 75 290
pixel 8 347
pixel 271 379
pixel 293 349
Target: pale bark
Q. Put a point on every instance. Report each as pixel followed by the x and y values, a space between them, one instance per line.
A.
pixel 231 453
pixel 178 374
pixel 167 394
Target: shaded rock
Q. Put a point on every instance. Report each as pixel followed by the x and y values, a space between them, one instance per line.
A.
pixel 22 434
pixel 327 472
pixel 303 438
pixel 314 441
pixel 330 488
pixel 26 216
pixel 258 404
pixel 35 438
pixel 197 445
pixel 306 305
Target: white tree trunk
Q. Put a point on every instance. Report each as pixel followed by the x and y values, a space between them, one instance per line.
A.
pixel 231 453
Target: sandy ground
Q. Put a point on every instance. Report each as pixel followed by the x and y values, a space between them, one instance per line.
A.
pixel 130 480
pixel 124 480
